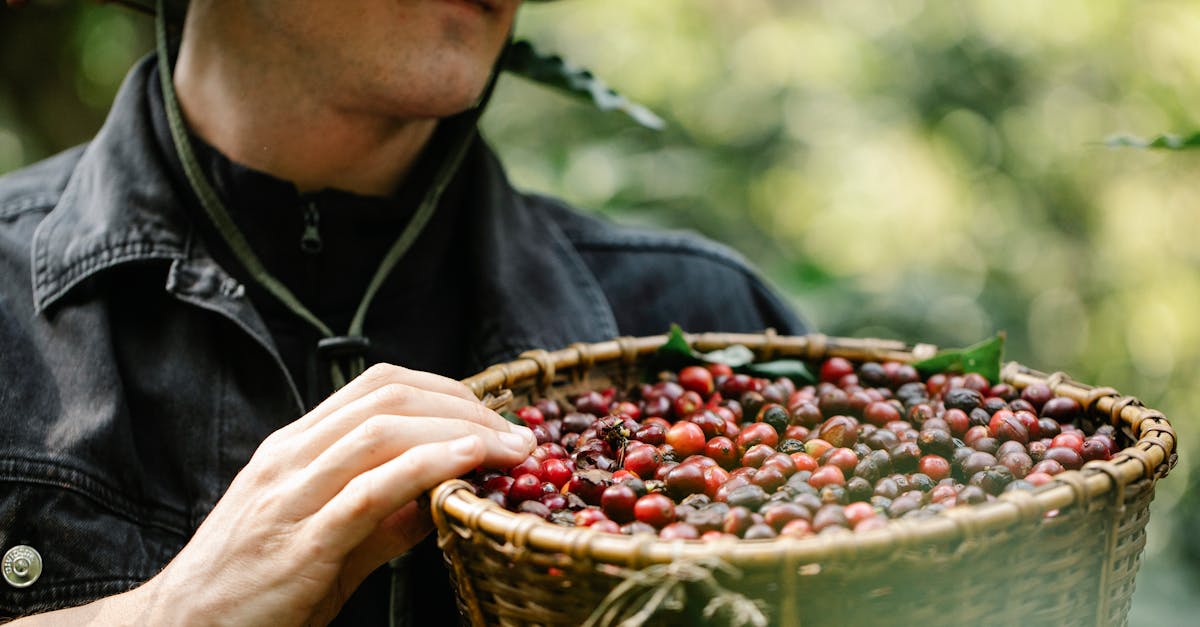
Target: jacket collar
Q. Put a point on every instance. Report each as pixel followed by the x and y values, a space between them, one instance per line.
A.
pixel 119 205
pixel 531 287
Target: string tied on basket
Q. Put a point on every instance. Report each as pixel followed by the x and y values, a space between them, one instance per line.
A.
pixel 666 587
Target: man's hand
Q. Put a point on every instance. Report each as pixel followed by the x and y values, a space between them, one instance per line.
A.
pixel 323 502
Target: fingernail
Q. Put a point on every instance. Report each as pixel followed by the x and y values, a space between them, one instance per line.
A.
pixel 521 431
pixel 515 441
pixel 463 446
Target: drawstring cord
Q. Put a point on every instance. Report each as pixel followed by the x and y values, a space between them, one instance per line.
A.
pixel 348 349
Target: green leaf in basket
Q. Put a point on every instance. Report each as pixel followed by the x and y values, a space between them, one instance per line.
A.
pixel 676 353
pixel 734 356
pixel 983 358
pixel 793 369
pixel 513 418
pixel 677 344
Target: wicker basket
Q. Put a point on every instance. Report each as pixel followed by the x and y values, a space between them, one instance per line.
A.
pixel 1064 554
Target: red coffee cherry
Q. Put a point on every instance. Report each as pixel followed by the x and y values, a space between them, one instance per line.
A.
pixel 697 379
pixel 656 510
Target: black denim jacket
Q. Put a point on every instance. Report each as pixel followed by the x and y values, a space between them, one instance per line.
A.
pixel 136 379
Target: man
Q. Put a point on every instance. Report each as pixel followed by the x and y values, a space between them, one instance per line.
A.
pixel 300 193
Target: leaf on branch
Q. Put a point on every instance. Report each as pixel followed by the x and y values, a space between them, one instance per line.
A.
pixel 1162 142
pixel 983 358
pixel 555 72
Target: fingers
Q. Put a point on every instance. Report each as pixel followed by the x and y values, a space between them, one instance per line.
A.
pixel 351 516
pixel 383 438
pixel 395 399
pixel 378 376
pixel 397 533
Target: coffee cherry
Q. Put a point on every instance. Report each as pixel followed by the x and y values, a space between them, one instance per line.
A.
pixel 858 489
pixel 526 487
pixel 1036 394
pixel 835 368
pixel 905 455
pixel 1038 478
pixel 1072 440
pixel 1068 457
pixel 1030 422
pixel 972 494
pixel 840 431
pixel 714 478
pixel 827 475
pixel 1061 409
pixel 756 455
pixel 757 433
pixel 977 462
pixel 697 379
pixel 722 450
pixel 775 416
pixel 833 401
pixel 735 385
pixel 686 404
pixel 1018 463
pixel 592 403
pixel 750 496
pixel 842 458
pixel 656 510
pixel 759 531
pixel 782 462
pixel 769 478
pixel 936 442
pixel 618 502
pixel 804 462
pixel 964 399
pixel 934 466
pixel 686 438
pixel 1094 449
pixel 685 479
pixel 1046 466
pixel 679 531
pixel 993 479
pixel 829 516
pixel 557 471
pixel 532 416
pixel 804 413
pixel 778 515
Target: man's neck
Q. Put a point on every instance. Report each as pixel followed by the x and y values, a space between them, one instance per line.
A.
pixel 267 120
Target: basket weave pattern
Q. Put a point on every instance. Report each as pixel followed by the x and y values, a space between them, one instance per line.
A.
pixel 1064 554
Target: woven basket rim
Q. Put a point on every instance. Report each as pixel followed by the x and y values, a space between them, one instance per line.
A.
pixel 1149 458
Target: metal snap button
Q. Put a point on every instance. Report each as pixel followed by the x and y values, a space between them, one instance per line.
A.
pixel 22 566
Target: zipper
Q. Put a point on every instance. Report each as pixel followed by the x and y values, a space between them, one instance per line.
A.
pixel 310 240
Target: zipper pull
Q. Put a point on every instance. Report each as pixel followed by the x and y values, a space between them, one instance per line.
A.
pixel 310 241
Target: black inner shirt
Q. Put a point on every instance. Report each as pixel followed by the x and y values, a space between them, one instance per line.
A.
pixel 325 246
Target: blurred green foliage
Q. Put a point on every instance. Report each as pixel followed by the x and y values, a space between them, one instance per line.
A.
pixel 928 171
